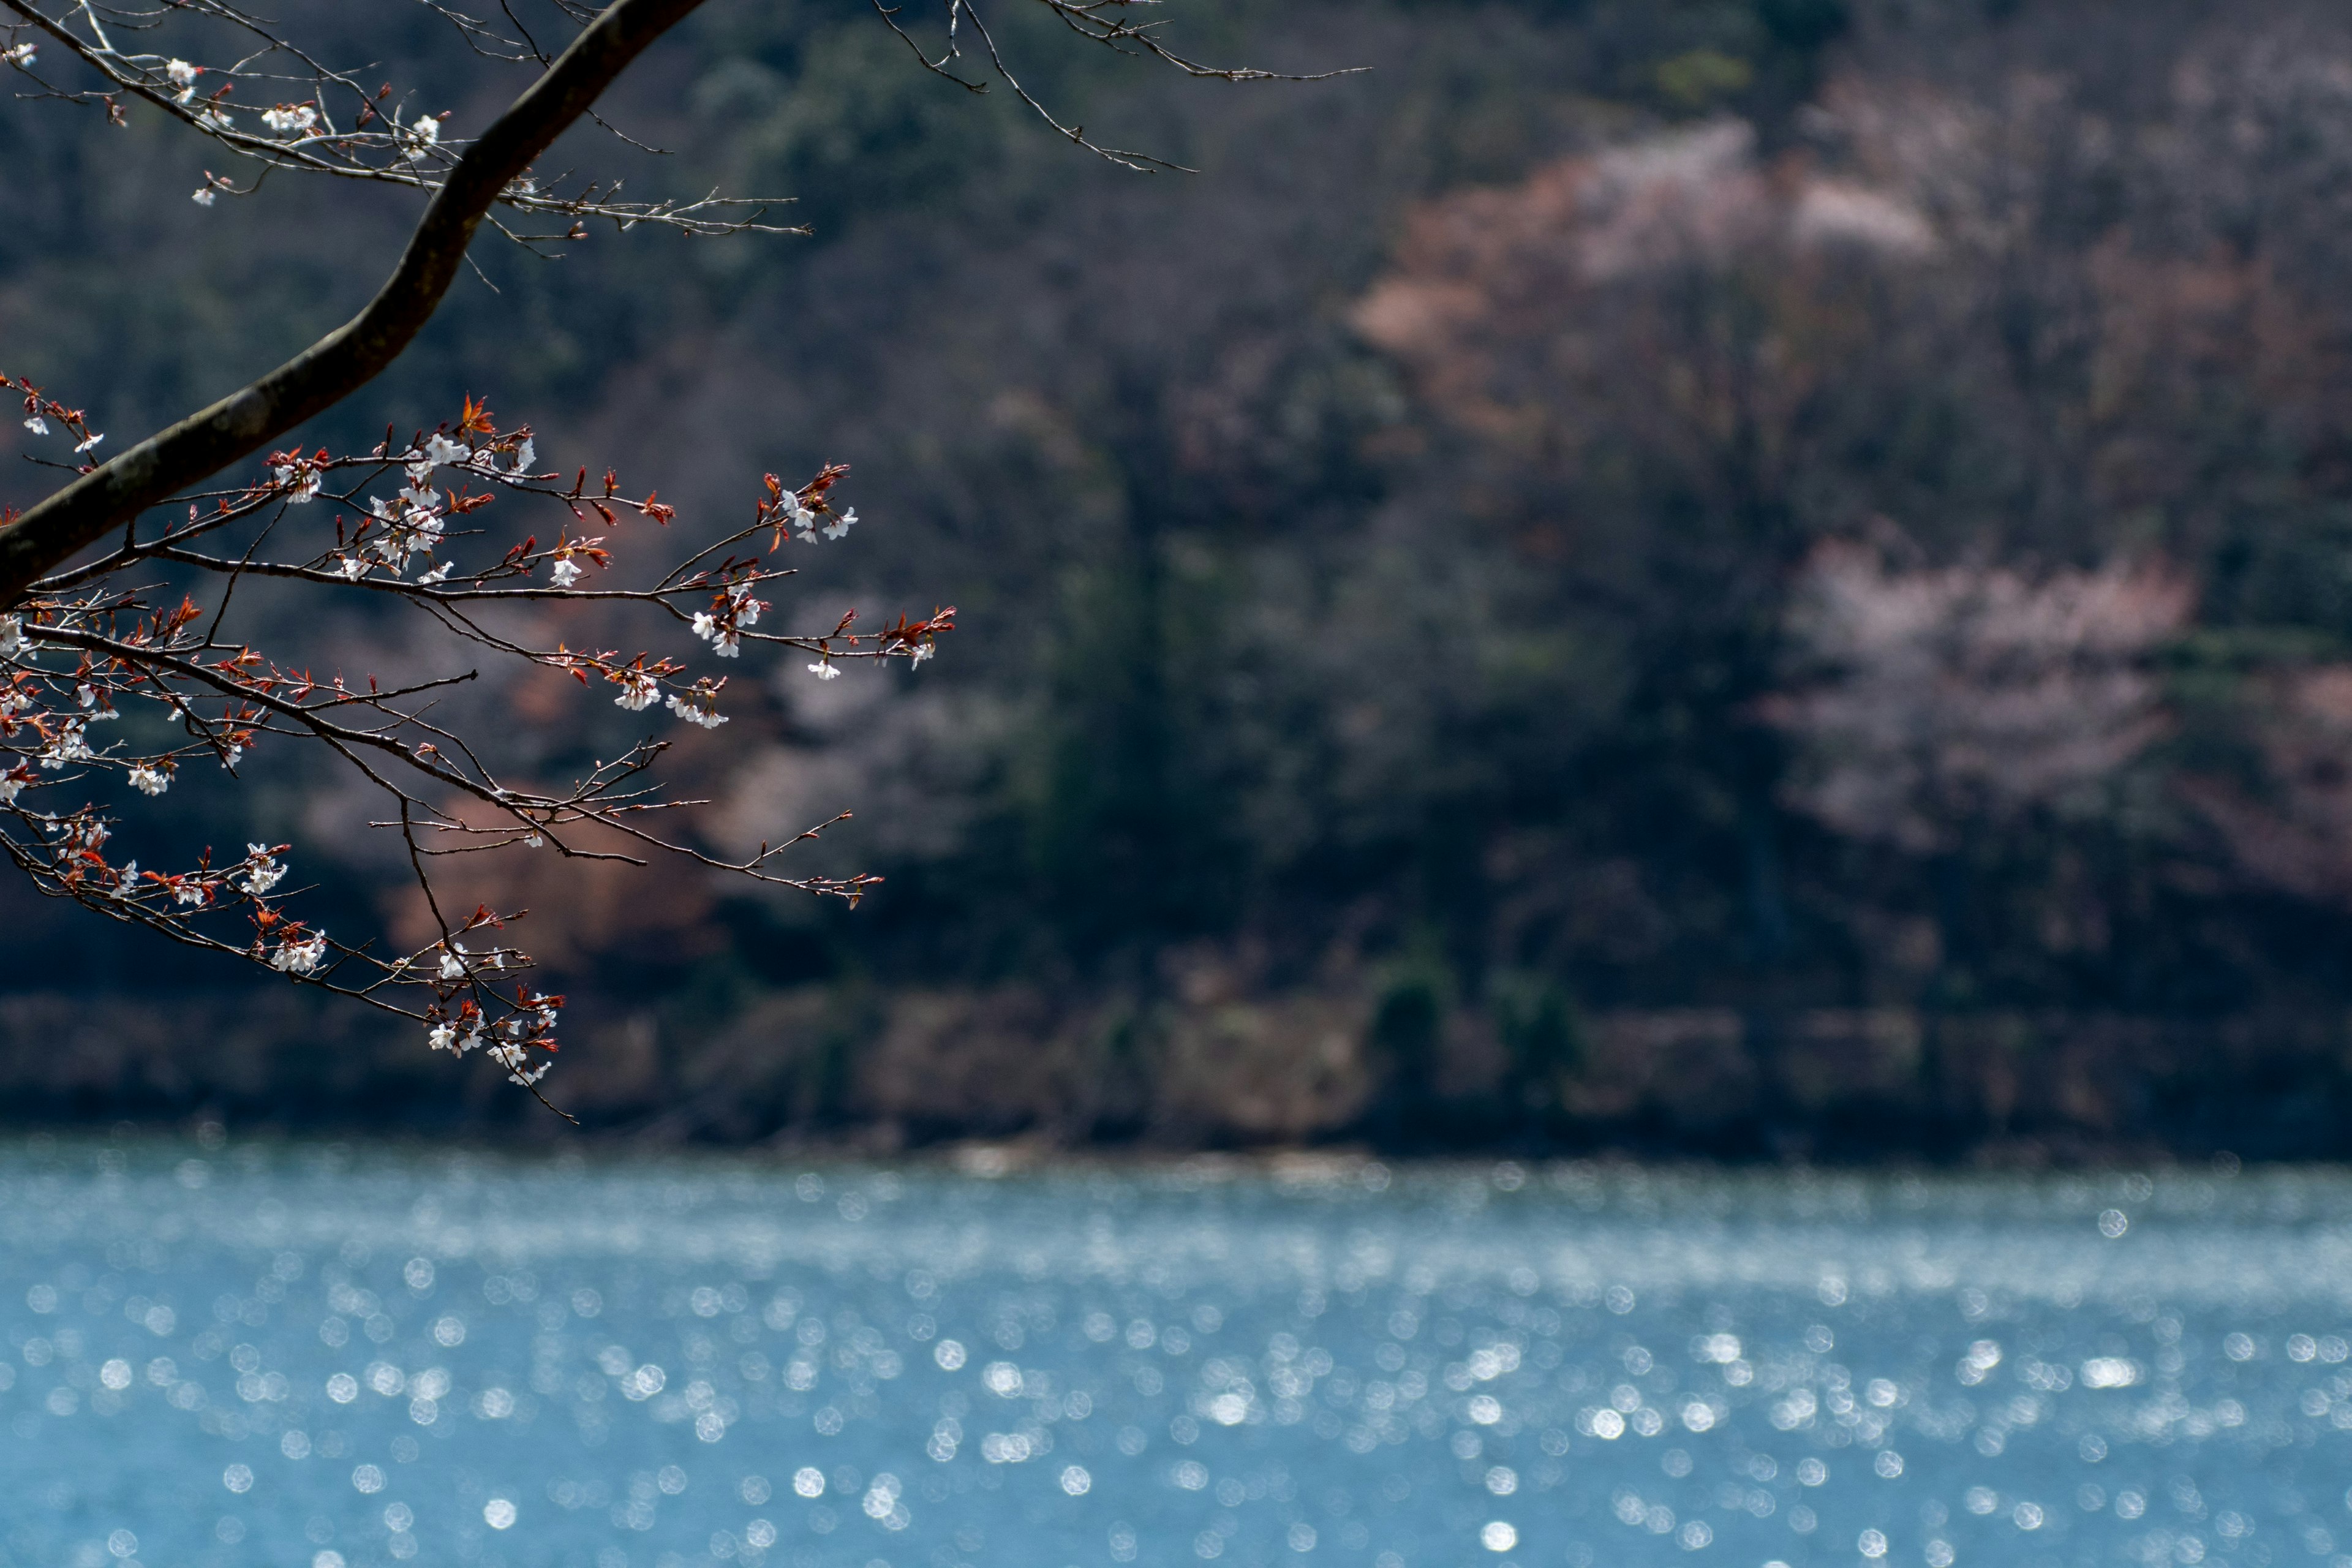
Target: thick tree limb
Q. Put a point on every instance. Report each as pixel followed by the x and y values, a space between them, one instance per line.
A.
pixel 103 500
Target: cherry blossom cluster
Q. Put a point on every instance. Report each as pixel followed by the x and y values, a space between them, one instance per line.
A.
pixel 112 690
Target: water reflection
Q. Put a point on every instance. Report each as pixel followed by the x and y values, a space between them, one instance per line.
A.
pixel 296 1354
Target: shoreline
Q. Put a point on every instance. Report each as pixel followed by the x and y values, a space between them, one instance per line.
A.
pixel 924 1071
pixel 1368 1169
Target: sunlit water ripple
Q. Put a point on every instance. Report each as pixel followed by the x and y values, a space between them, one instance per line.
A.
pixel 309 1354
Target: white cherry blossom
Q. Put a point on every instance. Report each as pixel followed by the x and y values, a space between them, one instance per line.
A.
pixel 724 638
pixel 299 957
pixel 300 480
pixel 66 747
pixel 262 871
pixel 706 719
pixel 420 138
pixel 639 691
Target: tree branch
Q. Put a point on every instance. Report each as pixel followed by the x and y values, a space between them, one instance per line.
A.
pixel 330 370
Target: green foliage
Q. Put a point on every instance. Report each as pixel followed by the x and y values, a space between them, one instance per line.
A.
pixel 1408 1039
pixel 1703 77
pixel 1542 1038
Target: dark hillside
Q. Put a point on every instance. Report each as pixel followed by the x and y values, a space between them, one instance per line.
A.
pixel 1770 577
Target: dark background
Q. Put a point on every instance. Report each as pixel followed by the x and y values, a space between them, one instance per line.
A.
pixel 1767 578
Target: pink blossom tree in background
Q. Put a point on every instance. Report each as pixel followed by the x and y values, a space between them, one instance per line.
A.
pixel 1929 700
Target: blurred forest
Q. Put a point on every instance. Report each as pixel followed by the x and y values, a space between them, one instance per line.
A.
pixel 1764 577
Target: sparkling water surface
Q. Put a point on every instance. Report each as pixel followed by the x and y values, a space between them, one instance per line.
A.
pixel 347 1357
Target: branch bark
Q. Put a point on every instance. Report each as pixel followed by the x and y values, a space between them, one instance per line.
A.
pixel 97 503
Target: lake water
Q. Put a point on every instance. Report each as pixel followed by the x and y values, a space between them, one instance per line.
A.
pixel 347 1358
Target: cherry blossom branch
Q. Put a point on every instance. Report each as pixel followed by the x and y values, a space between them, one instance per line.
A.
pixel 81 642
pixel 113 494
pixel 77 642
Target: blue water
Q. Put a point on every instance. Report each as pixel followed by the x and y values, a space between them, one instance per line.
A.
pixel 352 1357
